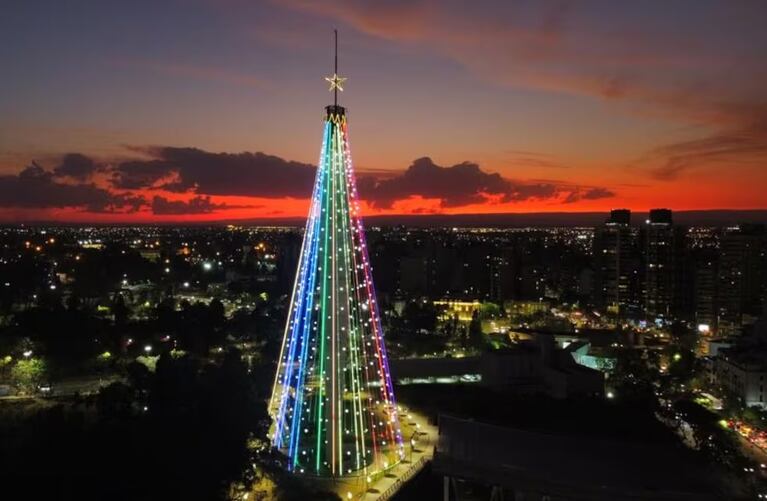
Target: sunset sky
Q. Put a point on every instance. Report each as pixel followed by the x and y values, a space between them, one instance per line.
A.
pixel 203 110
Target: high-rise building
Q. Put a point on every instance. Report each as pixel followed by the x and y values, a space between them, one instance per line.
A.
pixel 615 261
pixel 741 276
pixel 660 252
pixel 706 265
pixel 498 275
pixel 289 251
pixel 332 403
pixel 416 274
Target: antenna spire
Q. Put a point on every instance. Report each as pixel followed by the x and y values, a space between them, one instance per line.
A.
pixel 335 66
pixel 336 82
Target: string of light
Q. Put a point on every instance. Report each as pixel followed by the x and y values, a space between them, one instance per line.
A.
pixel 333 401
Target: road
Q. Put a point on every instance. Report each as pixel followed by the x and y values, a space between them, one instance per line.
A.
pixel 752 450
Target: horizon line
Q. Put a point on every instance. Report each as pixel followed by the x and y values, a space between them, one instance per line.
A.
pixel 715 216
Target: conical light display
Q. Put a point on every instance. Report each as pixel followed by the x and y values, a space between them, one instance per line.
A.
pixel 333 402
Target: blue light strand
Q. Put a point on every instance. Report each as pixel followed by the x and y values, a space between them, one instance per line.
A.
pixel 295 433
pixel 297 300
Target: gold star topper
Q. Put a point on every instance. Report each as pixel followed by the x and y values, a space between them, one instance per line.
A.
pixel 336 82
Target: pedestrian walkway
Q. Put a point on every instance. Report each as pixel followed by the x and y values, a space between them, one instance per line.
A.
pixel 420 437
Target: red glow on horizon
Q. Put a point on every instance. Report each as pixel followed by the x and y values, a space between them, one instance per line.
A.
pixel 246 208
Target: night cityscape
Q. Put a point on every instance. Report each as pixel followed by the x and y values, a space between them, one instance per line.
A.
pixel 569 304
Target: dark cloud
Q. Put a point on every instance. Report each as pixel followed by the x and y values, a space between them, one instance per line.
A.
pixel 460 184
pixel 465 184
pixel 596 193
pixel 243 174
pixel 197 205
pixel 34 187
pixel 139 174
pixel 183 170
pixel 76 166
pixel 587 194
pixel 191 171
pixel 525 191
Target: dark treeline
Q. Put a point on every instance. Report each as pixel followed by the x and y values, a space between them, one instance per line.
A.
pixel 178 433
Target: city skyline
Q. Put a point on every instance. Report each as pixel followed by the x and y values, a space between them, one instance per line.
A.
pixel 147 350
pixel 573 108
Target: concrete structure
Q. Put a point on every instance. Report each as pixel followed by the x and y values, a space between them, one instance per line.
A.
pixel 741 372
pixel 582 353
pixel 524 465
pixel 528 368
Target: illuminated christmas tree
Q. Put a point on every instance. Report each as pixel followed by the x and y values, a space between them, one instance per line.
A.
pixel 333 402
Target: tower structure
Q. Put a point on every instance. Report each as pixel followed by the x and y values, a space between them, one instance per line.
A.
pixel 332 404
